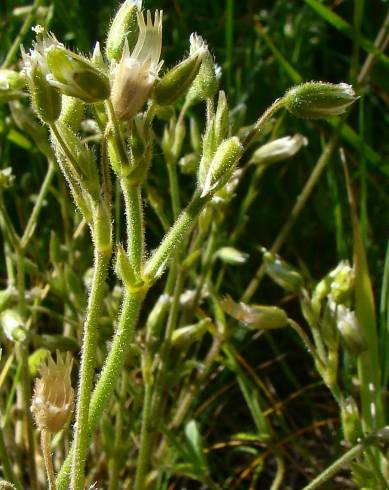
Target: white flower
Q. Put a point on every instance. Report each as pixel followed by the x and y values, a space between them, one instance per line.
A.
pixel 134 76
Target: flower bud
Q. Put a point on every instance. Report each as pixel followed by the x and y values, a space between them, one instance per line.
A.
pixel 7 179
pixel 350 420
pixel 156 321
pixel 319 100
pixel 350 331
pixel 46 99
pixel 189 163
pixel 76 76
pixel 279 149
pixel 126 272
pixel 342 284
pixel 231 255
pixel 327 325
pixel 11 85
pixel 206 84
pixel 209 149
pixel 282 273
pixel 135 75
pixel 256 316
pixel 186 336
pixel 52 402
pixel 83 164
pixel 177 81
pixel 124 27
pixel 221 118
pixel 13 325
pixel 222 165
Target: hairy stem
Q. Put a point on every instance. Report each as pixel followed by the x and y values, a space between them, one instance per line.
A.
pixel 88 357
pixel 45 445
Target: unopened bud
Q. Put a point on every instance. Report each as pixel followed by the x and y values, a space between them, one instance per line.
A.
pixel 177 81
pixel 223 163
pixel 83 162
pixel 221 118
pixel 279 149
pixel 156 321
pixel 319 100
pixel 7 179
pixel 76 76
pixel 13 325
pixel 124 27
pixel 350 420
pixel 327 325
pixel 231 255
pixel 256 316
pixel 206 84
pixel 46 99
pixel 189 163
pixel 282 273
pixel 11 85
pixel 186 336
pixel 342 285
pixel 350 331
pixel 209 149
pixel 52 402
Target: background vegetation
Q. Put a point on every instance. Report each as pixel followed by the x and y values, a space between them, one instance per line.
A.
pixel 263 47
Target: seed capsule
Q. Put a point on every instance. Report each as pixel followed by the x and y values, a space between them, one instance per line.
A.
pixel 319 100
pixel 52 402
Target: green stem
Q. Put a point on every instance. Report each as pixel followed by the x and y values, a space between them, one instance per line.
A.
pixel 308 344
pixel 153 403
pixel 258 126
pixel 88 358
pixel 6 223
pixel 146 431
pixel 338 465
pixel 110 372
pixel 135 227
pixel 173 238
pixel 154 417
pixel 45 445
pixel 29 230
pixel 280 473
pixel 114 465
pixel 174 190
